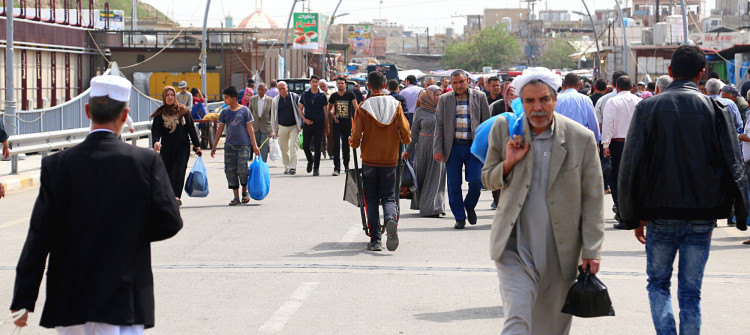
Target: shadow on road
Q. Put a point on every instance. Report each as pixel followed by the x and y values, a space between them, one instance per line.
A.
pixel 478 313
pixel 339 249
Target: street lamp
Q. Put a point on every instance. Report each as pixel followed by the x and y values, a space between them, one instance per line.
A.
pixel 596 40
pixel 286 35
pixel 325 42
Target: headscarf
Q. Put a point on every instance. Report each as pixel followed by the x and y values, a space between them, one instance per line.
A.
pixel 426 98
pixel 170 110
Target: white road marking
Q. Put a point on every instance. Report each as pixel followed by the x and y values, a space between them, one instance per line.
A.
pixel 287 310
pixel 8 224
pixel 350 237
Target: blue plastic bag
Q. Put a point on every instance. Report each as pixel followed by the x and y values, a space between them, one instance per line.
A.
pixel 259 179
pixel 197 181
pixel 482 137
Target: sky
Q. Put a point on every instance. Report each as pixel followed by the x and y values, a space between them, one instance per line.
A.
pixel 436 14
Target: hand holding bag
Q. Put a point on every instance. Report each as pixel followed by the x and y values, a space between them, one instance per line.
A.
pixel 588 297
pixel 196 184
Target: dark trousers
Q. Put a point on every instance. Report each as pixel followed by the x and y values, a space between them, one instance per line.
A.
pixel 607 181
pixel 175 161
pixel 341 132
pixel 615 151
pixel 313 136
pixel 379 185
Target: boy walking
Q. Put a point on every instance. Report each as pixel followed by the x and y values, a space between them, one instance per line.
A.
pixel 239 124
pixel 379 126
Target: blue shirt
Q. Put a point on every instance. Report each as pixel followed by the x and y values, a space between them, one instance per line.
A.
pixel 735 112
pixel 236 125
pixel 314 105
pixel 578 108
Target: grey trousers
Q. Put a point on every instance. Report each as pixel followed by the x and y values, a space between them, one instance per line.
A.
pixel 532 302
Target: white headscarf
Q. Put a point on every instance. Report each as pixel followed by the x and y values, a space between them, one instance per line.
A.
pixel 542 73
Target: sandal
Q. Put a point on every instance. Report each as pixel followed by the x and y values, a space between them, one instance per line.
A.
pixel 245 197
pixel 234 202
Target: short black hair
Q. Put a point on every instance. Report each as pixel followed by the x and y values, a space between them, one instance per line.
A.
pixel 273 83
pixel 651 86
pixel 493 78
pixel 376 80
pixel 105 109
pixel 618 74
pixel 194 91
pixel 600 85
pixel 687 62
pixel 231 91
pixel 624 84
pixel 714 74
pixel 411 79
pixel 571 80
pixel 702 83
pixel 314 77
pixel 250 82
pixel 392 85
pixel 340 78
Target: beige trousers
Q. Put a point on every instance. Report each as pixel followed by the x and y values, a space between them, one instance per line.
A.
pixel 289 143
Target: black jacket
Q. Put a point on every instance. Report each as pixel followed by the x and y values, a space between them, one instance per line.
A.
pixel 400 98
pixel 100 205
pixel 682 160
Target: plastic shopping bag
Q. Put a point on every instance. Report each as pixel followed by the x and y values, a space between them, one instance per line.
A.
pixel 482 138
pixel 588 297
pixel 275 153
pixel 259 179
pixel 197 181
pixel 12 318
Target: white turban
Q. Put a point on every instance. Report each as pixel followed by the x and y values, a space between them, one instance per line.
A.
pixel 533 73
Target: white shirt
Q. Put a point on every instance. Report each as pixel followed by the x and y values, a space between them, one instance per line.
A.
pixel 261 105
pixel 617 114
pixel 746 145
pixel 411 94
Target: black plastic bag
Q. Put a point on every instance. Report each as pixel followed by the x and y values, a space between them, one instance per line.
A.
pixel 588 297
pixel 606 166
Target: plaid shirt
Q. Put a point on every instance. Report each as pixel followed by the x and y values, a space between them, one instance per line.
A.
pixel 463 119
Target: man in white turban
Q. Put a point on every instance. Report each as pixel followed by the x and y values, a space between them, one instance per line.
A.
pixel 551 219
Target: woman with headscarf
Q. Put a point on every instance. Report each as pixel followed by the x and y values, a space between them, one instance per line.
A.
pixel 429 198
pixel 172 131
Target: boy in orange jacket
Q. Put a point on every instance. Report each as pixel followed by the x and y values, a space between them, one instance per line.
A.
pixel 379 126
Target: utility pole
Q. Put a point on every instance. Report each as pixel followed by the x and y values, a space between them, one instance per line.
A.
pixel 10 95
pixel 134 17
pixel 204 73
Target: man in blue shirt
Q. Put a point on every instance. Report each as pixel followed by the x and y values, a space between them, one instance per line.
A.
pixel 577 106
pixel 713 89
pixel 311 107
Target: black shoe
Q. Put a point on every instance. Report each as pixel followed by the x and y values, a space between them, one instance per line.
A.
pixel 471 215
pixel 309 167
pixel 316 173
pixel 620 226
pixel 374 246
pixel 460 224
pixel 335 173
pixel 391 242
pixel 617 217
pixel 292 171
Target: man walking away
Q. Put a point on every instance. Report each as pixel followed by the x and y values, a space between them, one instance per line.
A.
pixel 617 114
pixel 100 205
pixel 287 124
pixel 312 110
pixel 393 91
pixel 411 93
pixel 273 91
pixel 681 171
pixel 260 107
pixel 379 127
pixel 341 106
pixel 458 115
pixel 543 230
pixel 600 89
pixel 577 106
pixel 662 82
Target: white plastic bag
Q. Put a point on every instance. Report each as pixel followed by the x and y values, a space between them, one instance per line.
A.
pixel 12 318
pixel 275 153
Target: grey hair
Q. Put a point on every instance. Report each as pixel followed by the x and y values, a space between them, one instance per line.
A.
pixel 261 84
pixel 537 82
pixel 282 83
pixel 457 73
pixel 713 86
pixel 662 82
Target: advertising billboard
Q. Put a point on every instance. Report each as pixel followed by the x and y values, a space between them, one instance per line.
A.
pixel 309 31
pixel 360 39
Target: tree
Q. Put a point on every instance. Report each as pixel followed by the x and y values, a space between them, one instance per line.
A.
pixel 491 46
pixel 556 54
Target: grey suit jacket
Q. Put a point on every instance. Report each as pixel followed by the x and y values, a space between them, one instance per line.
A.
pixel 574 191
pixel 261 123
pixel 445 113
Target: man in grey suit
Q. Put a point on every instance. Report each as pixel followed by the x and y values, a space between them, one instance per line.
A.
pixel 552 207
pixel 458 115
pixel 260 106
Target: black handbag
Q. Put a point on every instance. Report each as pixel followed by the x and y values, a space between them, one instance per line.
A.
pixel 606 166
pixel 588 297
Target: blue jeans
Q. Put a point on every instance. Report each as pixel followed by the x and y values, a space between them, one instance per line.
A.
pixel 663 239
pixel 461 155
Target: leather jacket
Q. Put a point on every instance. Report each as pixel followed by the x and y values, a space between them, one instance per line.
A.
pixel 682 160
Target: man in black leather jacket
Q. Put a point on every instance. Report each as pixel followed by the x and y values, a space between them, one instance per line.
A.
pixel 681 170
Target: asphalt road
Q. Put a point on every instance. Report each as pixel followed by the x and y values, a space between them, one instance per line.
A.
pixel 295 263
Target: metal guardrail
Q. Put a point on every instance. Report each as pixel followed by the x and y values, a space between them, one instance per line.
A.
pixel 57 140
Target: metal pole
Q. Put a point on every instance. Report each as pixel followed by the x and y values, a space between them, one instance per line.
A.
pixel 325 42
pixel 596 40
pixel 624 36
pixel 203 49
pixel 134 17
pixel 10 96
pixel 684 23
pixel 286 35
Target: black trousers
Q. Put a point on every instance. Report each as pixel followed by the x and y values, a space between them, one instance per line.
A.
pixel 379 186
pixel 601 158
pixel 615 151
pixel 175 161
pixel 312 135
pixel 341 132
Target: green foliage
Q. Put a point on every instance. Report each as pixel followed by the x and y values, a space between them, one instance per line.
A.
pixel 491 46
pixel 556 54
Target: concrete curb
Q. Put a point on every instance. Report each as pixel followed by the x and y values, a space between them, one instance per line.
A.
pixel 17 183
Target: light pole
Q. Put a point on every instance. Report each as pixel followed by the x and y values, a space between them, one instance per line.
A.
pixel 624 35
pixel 10 95
pixel 325 42
pixel 203 51
pixel 684 23
pixel 286 35
pixel 596 40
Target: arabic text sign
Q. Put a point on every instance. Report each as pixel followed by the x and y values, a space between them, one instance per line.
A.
pixel 360 39
pixel 306 31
